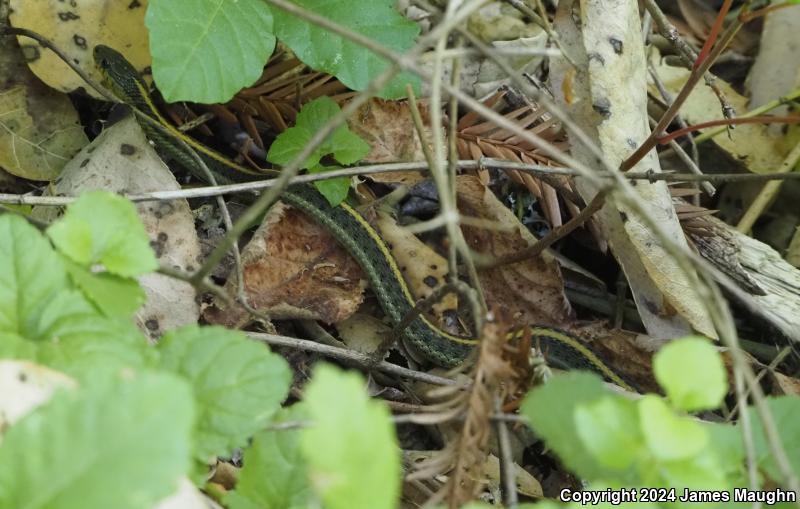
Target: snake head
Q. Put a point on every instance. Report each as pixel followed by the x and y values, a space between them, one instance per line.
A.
pixel 118 74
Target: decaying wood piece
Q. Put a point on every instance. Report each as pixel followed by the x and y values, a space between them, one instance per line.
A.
pixel 606 97
pixel 773 283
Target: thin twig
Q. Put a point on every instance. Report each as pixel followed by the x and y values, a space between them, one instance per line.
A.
pixel 204 285
pixel 507 465
pixel 363 360
pixel 685 52
pixel 251 187
pixel 697 73
pixel 447 187
pixel 555 235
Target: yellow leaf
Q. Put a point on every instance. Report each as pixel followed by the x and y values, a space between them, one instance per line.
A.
pixel 39 128
pixel 76 27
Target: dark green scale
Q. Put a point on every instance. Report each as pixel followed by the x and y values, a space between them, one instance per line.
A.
pixel 352 232
pixel 349 228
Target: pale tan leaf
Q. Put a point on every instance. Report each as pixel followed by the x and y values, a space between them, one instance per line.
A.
pixel 752 145
pixel 423 268
pixel 527 485
pixel 26 386
pixel 122 160
pixel 776 69
pixel 363 332
pixel 608 100
pixel 187 496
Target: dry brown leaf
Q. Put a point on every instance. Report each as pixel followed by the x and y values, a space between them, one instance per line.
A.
pixel 39 128
pixel 389 130
pixel 700 16
pixel 293 268
pixel 785 385
pixel 76 27
pixel 629 353
pixel 529 292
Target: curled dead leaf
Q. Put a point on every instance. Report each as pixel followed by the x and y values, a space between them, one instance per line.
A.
pixel 531 291
pixel 293 268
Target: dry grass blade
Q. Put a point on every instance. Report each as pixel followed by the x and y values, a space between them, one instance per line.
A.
pixel 465 458
pixel 472 448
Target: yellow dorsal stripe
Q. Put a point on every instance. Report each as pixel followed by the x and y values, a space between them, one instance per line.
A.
pixel 145 95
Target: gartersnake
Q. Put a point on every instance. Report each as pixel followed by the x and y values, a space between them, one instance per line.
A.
pixel 350 229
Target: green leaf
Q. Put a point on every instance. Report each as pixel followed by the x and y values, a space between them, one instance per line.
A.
pixel 785 412
pixel 701 471
pixel 90 341
pixel 609 428
pixel 238 384
pixel 353 64
pixel 275 474
pixel 692 374
pixel 31 275
pixel 551 408
pixel 117 442
pixel 351 448
pixel 71 335
pixel 668 436
pixel 346 147
pixel 69 315
pixel 111 294
pixel 288 145
pixel 207 50
pixel 726 442
pixel 334 190
pixel 13 346
pixel 101 227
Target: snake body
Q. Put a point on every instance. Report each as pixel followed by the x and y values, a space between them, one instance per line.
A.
pixel 349 228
